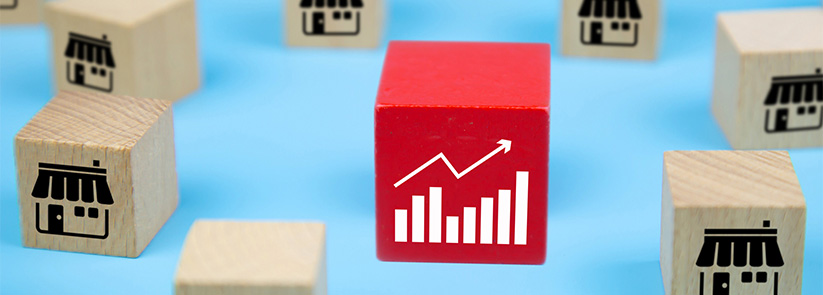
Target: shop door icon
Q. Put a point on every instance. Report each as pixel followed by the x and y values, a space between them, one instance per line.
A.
pixel 318 23
pixel 721 283
pixel 782 120
pixel 79 74
pixel 55 219
pixel 596 33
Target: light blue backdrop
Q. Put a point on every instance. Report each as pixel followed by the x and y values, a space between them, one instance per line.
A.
pixel 286 133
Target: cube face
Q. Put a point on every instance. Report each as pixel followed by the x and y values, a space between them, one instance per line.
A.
pixel 733 223
pixel 611 28
pixel 460 179
pixel 89 182
pixel 334 23
pixel 246 258
pixel 717 246
pixel 768 83
pixel 20 11
pixel 144 49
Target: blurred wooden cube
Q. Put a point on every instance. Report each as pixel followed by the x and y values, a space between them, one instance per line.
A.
pixel 96 173
pixel 21 11
pixel 245 258
pixel 768 85
pixel 143 48
pixel 733 222
pixel 611 28
pixel 334 23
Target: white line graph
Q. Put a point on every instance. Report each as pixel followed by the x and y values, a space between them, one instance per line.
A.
pixel 505 147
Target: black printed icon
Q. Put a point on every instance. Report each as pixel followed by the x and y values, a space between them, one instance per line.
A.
pixel 331 17
pixel 610 22
pixel 80 190
pixel 89 62
pixel 752 251
pixel 794 103
pixel 8 4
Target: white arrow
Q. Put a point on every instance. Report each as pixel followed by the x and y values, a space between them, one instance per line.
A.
pixel 505 146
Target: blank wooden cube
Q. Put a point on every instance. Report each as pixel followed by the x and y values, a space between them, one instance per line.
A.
pixel 96 173
pixel 245 258
pixel 768 85
pixel 143 48
pixel 611 28
pixel 734 222
pixel 21 11
pixel 334 23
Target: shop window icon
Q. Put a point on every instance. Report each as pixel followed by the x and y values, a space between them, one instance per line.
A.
pixel 753 250
pixel 83 189
pixel 331 17
pixel 610 22
pixel 803 93
pixel 89 62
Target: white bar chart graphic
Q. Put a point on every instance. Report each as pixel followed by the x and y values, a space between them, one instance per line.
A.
pixel 470 224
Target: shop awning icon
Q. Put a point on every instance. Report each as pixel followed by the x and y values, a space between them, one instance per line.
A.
pixel 74 183
pixel 90 49
pixel 740 248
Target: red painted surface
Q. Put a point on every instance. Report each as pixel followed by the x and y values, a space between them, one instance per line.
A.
pixel 461 99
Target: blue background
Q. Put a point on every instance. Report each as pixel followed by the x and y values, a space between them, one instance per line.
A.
pixel 287 133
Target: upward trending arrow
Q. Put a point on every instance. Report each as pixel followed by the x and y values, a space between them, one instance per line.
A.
pixel 505 146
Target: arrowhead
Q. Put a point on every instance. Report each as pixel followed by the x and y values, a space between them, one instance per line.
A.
pixel 507 144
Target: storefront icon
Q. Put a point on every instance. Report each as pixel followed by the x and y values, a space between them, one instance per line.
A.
pixel 751 254
pixel 795 103
pixel 8 4
pixel 83 190
pixel 331 17
pixel 610 22
pixel 89 62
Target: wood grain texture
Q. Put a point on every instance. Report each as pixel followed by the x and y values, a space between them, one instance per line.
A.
pixel 131 138
pixel 154 44
pixel 244 258
pixel 752 48
pixel 729 190
pixel 372 22
pixel 21 11
pixel 648 33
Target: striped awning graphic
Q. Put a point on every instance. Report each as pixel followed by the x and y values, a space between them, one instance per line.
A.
pixel 90 49
pixel 73 183
pixel 740 247
pixel 610 9
pixel 796 89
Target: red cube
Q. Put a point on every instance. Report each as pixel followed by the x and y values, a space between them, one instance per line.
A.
pixel 462 152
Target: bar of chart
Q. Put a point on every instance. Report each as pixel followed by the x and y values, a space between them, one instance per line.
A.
pixel 412 221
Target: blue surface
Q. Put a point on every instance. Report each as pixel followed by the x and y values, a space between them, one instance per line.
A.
pixel 264 140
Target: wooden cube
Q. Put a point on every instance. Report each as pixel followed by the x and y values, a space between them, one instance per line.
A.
pixel 21 11
pixel 143 48
pixel 733 223
pixel 611 28
pixel 96 173
pixel 768 85
pixel 249 258
pixel 334 23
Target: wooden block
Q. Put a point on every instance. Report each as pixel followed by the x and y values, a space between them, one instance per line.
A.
pixel 245 258
pixel 334 23
pixel 143 48
pixel 21 11
pixel 611 28
pixel 768 88
pixel 733 223
pixel 462 152
pixel 96 173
